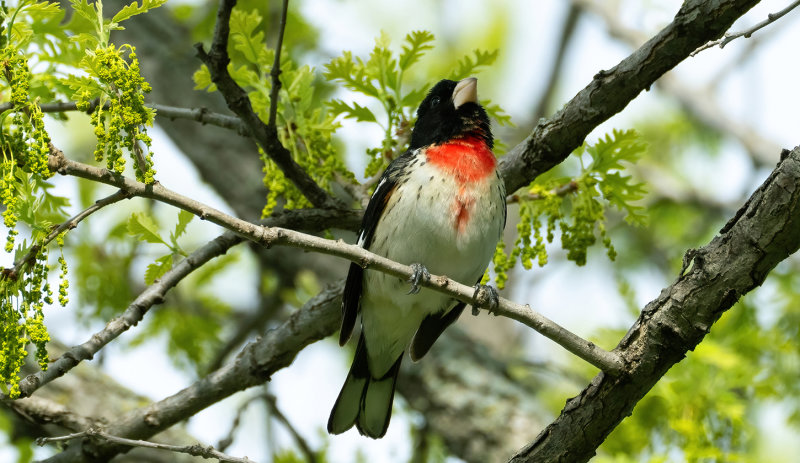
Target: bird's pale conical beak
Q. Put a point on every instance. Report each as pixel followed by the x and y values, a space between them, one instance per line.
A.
pixel 466 91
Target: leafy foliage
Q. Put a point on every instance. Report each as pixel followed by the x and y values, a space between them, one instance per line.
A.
pixel 114 90
pixel 146 229
pixel 305 127
pixel 381 78
pixel 577 206
pixel 31 32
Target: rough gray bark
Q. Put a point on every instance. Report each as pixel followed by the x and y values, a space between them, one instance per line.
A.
pixel 765 231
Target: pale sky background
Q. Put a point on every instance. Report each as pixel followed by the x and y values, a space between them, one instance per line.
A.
pixel 762 94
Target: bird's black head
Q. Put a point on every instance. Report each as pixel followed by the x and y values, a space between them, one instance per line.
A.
pixel 451 110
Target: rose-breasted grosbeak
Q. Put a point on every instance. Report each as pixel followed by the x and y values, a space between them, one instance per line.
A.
pixel 440 206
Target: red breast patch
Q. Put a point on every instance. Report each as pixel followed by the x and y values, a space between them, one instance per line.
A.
pixel 469 159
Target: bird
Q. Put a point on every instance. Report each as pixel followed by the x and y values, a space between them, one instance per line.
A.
pixel 439 207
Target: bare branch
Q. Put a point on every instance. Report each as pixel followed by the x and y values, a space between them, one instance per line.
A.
pixel 771 18
pixel 254 365
pixel 272 404
pixel 276 68
pixel 270 236
pixel 201 115
pixel 564 39
pixel 197 450
pixel 155 294
pixel 41 410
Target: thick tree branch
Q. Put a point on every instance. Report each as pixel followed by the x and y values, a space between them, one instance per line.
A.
pixel 765 231
pixel 552 141
pixel 42 410
pixel 266 136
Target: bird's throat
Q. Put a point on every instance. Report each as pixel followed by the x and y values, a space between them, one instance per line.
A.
pixel 468 159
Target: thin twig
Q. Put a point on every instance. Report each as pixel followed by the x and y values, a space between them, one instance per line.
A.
pixel 727 38
pixel 201 115
pixel 197 450
pixel 270 236
pixel 73 222
pixel 276 68
pixel 226 441
pixel 561 190
pixel 141 163
pixel 272 404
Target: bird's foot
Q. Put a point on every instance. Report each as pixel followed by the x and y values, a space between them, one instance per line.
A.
pixel 486 296
pixel 420 273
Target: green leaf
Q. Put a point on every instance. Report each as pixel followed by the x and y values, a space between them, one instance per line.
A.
pixel 157 269
pixel 202 80
pixel 184 217
pixel 418 42
pixel 356 111
pixel 133 9
pixel 467 66
pixel 610 151
pixel 145 228
pixel 247 39
pixel 82 8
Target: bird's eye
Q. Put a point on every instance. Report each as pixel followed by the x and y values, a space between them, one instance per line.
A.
pixel 434 101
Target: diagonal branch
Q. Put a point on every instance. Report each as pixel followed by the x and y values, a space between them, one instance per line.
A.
pixel 765 231
pixel 698 102
pixel 69 224
pixel 266 136
pixel 270 236
pixel 272 404
pixel 254 365
pixel 552 140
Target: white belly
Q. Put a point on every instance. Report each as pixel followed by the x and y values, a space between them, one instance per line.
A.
pixel 451 229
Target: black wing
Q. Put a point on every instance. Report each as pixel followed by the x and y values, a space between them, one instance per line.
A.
pixel 431 328
pixel 377 204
